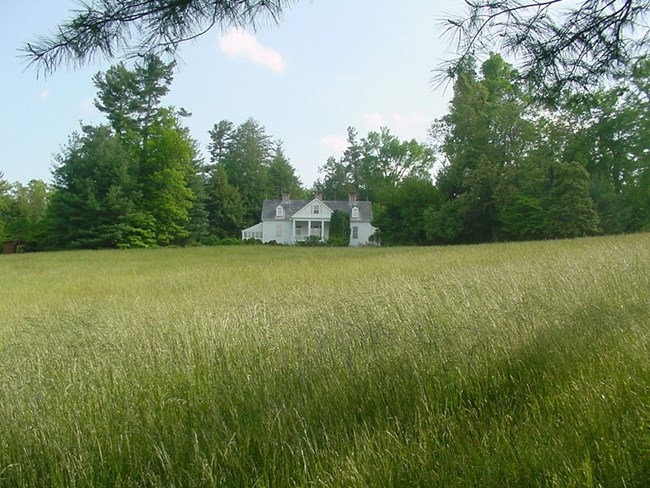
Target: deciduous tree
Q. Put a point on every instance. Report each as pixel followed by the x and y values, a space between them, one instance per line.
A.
pixel 166 168
pixel 400 211
pixel 571 211
pixel 387 161
pixel 334 183
pixel 484 140
pixel 377 160
pixel 25 214
pixel 5 202
pixel 339 229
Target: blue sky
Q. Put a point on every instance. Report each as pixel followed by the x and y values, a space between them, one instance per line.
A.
pixel 330 64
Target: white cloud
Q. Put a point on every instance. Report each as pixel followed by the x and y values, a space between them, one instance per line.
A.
pixel 406 122
pixel 237 43
pixel 374 119
pixel 398 123
pixel 45 94
pixel 335 143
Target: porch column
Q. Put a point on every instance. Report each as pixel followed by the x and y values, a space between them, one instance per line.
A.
pixel 308 229
pixel 293 231
pixel 322 229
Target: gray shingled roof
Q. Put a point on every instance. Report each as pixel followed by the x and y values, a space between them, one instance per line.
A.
pixel 293 206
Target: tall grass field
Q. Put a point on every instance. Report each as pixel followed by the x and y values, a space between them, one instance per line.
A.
pixel 480 366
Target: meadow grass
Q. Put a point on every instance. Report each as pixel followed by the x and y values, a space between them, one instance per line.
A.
pixel 495 365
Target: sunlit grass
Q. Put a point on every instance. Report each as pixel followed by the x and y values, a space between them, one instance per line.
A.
pixel 501 365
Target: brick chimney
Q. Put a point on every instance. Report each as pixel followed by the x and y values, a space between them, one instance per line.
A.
pixel 352 197
pixel 286 197
pixel 318 195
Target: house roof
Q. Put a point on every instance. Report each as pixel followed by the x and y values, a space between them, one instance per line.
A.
pixel 292 206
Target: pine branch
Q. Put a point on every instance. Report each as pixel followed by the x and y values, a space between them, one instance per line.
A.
pixel 135 28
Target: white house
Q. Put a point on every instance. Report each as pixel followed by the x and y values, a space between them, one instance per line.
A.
pixel 289 221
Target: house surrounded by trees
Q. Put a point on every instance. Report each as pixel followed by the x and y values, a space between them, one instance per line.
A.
pixel 289 221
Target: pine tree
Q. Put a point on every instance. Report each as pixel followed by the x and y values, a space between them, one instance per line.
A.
pixel 246 161
pixel 95 202
pixel 281 176
pixel 224 205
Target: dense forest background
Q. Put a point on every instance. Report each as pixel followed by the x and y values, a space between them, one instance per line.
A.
pixel 500 165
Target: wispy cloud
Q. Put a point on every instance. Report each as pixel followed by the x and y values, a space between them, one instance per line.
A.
pixel 398 122
pixel 238 43
pixel 374 119
pixel 408 121
pixel 335 143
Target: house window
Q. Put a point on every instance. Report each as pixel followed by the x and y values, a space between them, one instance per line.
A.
pixel 279 211
pixel 355 212
pixel 278 231
pixel 355 232
pixel 315 209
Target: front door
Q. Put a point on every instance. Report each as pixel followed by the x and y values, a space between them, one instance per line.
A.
pixel 316 229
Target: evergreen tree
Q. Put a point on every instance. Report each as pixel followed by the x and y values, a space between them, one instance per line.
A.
pixel 352 161
pixel 559 44
pixel 134 28
pixel 154 78
pixel 249 154
pixel 96 203
pixel 165 166
pixel 220 139
pixel 281 176
pixel 224 205
pixel 247 167
pixel 117 98
pixel 131 98
pixel 198 227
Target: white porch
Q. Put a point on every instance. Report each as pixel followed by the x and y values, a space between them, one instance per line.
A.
pixel 304 228
pixel 253 232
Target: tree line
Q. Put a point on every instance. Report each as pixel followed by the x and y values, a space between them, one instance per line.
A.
pixel 509 168
pixel 139 181
pixel 505 166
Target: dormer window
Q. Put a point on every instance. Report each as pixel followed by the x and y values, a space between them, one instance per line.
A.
pixel 355 212
pixel 279 211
